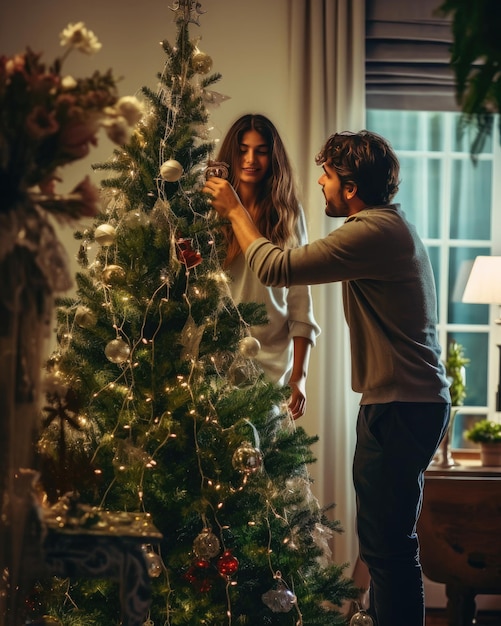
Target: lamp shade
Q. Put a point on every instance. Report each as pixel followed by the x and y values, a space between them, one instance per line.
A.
pixel 484 282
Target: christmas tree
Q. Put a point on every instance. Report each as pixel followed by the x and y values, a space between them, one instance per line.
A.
pixel 154 401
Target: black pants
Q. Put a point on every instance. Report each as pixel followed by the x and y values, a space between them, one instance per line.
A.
pixel 395 444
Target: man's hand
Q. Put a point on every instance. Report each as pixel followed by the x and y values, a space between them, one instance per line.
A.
pixel 222 197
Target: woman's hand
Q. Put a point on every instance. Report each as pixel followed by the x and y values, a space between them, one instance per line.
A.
pixel 222 197
pixel 297 400
pixel 297 382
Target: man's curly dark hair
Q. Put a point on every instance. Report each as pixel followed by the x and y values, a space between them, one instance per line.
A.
pixel 365 159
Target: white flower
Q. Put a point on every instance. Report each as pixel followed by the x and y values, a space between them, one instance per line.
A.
pixel 68 83
pixel 79 37
pixel 117 130
pixel 130 108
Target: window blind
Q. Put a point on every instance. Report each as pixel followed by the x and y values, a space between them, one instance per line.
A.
pixel 408 56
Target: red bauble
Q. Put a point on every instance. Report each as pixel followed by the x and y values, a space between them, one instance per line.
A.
pixel 200 575
pixel 188 256
pixel 227 564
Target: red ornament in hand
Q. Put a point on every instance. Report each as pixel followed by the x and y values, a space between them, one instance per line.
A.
pixel 227 564
pixel 188 256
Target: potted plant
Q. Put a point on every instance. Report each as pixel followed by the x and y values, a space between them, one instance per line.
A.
pixel 487 433
pixel 455 364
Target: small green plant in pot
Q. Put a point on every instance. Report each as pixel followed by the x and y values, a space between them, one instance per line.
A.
pixel 487 433
pixel 455 364
pixel 455 370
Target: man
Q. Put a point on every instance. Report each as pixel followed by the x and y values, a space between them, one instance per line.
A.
pixel 390 307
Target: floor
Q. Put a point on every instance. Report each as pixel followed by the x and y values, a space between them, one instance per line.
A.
pixel 437 617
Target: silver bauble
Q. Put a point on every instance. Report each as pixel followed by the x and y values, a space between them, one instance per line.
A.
pixel 206 545
pixel 280 599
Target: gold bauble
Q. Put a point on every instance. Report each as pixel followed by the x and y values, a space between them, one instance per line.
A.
pixel 113 274
pixel 201 62
pixel 84 317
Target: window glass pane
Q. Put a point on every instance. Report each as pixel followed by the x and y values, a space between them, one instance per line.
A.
pixel 460 263
pixel 464 137
pixel 434 254
pixel 409 130
pixel 463 422
pixel 476 346
pixel 436 134
pixel 401 128
pixel 434 179
pixel 419 194
pixel 471 200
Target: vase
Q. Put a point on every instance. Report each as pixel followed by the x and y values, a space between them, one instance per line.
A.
pixel 490 454
pixel 443 456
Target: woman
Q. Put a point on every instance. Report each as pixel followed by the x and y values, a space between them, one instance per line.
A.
pixel 261 174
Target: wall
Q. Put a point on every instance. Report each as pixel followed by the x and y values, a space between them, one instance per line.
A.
pixel 242 37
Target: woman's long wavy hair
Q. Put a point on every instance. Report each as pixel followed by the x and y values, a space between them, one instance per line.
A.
pixel 278 204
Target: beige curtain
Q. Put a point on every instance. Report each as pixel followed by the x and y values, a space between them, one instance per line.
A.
pixel 326 94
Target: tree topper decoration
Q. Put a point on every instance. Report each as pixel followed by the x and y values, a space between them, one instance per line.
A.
pixel 187 11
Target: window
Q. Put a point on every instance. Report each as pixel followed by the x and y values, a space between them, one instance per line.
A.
pixel 450 200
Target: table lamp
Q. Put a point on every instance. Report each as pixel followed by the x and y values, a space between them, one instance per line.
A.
pixel 484 287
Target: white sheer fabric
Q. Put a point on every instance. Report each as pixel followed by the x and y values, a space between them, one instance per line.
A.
pixel 326 95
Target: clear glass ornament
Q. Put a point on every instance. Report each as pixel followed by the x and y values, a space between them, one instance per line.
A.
pixel 280 599
pixel 117 351
pixel 206 545
pixel 247 459
pixel 249 347
pixel 153 562
pixel 136 219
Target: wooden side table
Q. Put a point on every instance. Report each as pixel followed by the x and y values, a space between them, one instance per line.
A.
pixel 459 533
